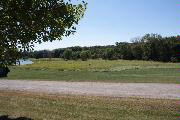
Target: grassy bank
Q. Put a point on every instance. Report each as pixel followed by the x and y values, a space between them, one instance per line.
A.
pixel 98 70
pixel 53 107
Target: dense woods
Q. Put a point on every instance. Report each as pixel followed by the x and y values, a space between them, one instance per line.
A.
pixel 149 47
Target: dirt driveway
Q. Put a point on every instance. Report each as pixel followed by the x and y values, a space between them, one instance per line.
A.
pixel 142 90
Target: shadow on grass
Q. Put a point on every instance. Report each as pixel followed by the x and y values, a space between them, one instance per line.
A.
pixel 6 117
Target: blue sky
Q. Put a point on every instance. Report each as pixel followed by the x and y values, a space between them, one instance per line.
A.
pixel 109 21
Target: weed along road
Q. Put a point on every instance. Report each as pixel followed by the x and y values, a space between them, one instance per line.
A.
pixel 142 90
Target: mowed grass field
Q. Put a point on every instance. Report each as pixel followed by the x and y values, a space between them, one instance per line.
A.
pixel 63 107
pixel 98 70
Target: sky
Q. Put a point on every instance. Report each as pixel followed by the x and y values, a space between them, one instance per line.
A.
pixel 109 21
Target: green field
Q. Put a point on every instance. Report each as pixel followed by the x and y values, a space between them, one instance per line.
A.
pixel 98 70
pixel 55 107
pixel 52 107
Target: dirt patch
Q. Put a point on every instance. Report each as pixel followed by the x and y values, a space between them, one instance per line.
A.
pixel 142 90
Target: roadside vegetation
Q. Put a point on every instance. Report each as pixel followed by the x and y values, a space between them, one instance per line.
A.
pixel 98 70
pixel 53 107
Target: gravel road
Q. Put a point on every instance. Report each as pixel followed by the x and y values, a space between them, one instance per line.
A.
pixel 142 90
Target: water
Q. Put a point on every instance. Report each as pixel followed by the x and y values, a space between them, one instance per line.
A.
pixel 25 62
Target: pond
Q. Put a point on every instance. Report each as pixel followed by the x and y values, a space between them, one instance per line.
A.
pixel 25 62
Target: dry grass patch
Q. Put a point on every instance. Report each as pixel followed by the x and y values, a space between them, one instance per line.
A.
pixel 55 107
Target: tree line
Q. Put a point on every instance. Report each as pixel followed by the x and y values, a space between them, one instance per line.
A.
pixel 149 47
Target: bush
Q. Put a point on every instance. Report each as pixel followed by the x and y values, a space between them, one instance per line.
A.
pixel 4 71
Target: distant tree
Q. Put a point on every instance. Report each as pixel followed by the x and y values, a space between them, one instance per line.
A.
pixel 110 54
pixel 76 48
pixel 67 55
pixel 124 50
pixel 75 55
pixel 97 52
pixel 151 46
pixel 56 53
pixel 136 48
pixel 137 51
pixel 85 55
pixel 38 54
pixel 174 48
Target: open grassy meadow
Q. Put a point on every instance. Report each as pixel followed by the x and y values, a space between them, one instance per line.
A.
pixel 98 70
pixel 52 107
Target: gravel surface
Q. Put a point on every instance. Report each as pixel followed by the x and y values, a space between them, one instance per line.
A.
pixel 142 90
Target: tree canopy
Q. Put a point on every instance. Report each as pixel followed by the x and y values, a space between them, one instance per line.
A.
pixel 149 47
pixel 25 22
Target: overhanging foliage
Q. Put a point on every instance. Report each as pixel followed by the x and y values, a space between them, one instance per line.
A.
pixel 25 22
